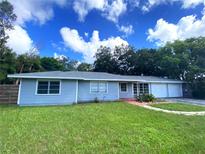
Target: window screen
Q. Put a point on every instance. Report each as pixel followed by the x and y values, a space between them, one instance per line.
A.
pixel 123 87
pixel 48 87
pixel 54 87
pixel 144 88
pixel 98 87
pixel 42 87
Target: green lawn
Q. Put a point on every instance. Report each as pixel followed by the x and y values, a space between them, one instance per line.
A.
pixel 98 128
pixel 179 107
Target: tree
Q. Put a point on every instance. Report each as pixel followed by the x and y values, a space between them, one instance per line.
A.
pixel 186 60
pixel 146 62
pixel 7 57
pixel 28 62
pixel 104 61
pixel 7 64
pixel 67 63
pixel 7 17
pixel 50 64
pixel 125 59
pixel 84 67
pixel 175 59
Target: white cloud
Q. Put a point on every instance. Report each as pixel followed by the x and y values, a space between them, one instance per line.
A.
pixel 134 3
pixel 83 7
pixel 128 30
pixel 203 11
pixel 29 10
pixel 75 42
pixel 187 27
pixel 59 57
pixel 185 3
pixel 110 10
pixel 113 11
pixel 86 34
pixel 19 40
pixel 35 10
pixel 191 3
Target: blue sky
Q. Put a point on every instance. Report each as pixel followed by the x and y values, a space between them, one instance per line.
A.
pixel 77 28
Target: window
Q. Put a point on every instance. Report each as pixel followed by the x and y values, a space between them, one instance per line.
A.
pixel 42 87
pixel 48 87
pixel 98 87
pixel 123 87
pixel 135 88
pixel 94 87
pixel 144 88
pixel 54 87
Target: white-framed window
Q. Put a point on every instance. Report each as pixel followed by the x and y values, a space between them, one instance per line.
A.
pixel 45 87
pixel 123 87
pixel 98 87
pixel 144 88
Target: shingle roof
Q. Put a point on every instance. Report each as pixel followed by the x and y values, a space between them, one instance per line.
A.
pixel 78 75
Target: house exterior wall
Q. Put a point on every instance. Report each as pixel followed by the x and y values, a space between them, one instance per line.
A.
pixel 73 90
pixel 129 93
pixel 28 94
pixel 84 93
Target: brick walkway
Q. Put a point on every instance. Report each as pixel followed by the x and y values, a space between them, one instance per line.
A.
pixel 147 106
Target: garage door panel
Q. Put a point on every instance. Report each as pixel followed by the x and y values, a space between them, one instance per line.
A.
pixel 175 90
pixel 159 90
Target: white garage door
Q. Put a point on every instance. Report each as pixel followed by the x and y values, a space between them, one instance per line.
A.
pixel 175 90
pixel 159 89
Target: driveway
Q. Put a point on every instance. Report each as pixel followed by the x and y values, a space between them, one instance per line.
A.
pixel 187 100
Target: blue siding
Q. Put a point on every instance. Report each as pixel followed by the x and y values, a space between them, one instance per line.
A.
pixel 28 93
pixel 85 95
pixel 129 93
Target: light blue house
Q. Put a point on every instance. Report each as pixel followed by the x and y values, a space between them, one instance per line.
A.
pixel 53 88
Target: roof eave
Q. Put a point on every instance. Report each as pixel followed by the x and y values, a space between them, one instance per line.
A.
pixel 90 79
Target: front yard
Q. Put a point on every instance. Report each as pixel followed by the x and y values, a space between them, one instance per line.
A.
pixel 98 128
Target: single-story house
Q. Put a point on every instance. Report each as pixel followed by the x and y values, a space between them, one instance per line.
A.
pixel 57 87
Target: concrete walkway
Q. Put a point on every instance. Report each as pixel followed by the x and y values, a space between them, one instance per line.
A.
pixel 147 106
pixel 175 112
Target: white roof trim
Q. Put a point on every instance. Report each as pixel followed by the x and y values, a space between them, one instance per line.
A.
pixel 90 79
pixel 43 77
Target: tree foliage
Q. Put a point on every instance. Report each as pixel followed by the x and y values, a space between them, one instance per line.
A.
pixel 50 64
pixel 7 57
pixel 183 60
pixel 84 67
pixel 7 17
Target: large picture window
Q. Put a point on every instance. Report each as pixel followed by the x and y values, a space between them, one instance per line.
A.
pixel 123 87
pixel 48 87
pixel 98 87
pixel 144 88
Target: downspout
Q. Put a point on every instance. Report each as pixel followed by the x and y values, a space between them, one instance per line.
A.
pixel 19 93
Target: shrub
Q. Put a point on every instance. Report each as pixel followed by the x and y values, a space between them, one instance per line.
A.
pixel 198 89
pixel 96 100
pixel 146 98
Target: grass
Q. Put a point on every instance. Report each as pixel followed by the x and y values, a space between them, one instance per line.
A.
pixel 98 128
pixel 179 107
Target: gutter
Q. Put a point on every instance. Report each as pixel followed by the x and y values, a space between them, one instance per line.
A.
pixel 90 79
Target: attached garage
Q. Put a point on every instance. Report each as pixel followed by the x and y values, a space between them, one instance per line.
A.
pixel 162 90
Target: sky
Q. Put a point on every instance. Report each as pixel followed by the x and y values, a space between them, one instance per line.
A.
pixel 77 28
